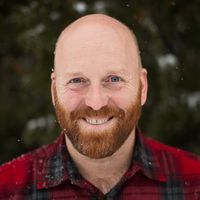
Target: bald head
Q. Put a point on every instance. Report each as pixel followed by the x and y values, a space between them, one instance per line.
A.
pixel 90 33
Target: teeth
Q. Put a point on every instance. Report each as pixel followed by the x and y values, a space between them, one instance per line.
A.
pixel 96 121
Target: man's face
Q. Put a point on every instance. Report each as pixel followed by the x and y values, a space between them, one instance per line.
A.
pixel 97 91
pixel 98 133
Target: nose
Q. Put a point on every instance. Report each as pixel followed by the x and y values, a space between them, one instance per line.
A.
pixel 96 97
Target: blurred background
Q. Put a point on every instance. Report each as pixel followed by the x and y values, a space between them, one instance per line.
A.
pixel 168 34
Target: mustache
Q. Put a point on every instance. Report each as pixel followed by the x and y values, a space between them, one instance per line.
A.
pixel 106 111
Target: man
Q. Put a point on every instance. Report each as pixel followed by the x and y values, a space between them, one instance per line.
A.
pixel 98 89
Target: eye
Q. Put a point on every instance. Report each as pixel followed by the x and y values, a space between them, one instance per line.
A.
pixel 77 80
pixel 77 83
pixel 113 82
pixel 115 79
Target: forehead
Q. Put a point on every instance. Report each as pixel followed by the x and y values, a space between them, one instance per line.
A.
pixel 94 47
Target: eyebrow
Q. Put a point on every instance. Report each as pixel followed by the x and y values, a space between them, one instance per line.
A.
pixel 74 74
pixel 70 74
pixel 121 71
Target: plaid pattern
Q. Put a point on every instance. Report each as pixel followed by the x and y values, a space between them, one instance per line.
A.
pixel 157 172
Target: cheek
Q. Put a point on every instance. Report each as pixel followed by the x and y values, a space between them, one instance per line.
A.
pixel 123 99
pixel 127 96
pixel 70 101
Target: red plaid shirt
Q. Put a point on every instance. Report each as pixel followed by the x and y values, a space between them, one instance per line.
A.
pixel 158 172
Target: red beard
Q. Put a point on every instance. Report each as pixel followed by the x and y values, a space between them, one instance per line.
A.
pixel 104 143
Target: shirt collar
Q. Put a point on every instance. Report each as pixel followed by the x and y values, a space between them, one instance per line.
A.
pixel 54 165
pixel 51 164
pixel 146 159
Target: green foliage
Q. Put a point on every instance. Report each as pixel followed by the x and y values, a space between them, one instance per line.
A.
pixel 167 31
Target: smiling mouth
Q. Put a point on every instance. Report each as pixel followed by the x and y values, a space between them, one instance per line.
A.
pixel 94 121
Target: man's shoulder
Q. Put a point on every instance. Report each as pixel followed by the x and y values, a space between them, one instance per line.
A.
pixel 16 169
pixel 20 172
pixel 181 161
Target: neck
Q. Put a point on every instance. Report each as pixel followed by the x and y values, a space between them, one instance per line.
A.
pixel 104 173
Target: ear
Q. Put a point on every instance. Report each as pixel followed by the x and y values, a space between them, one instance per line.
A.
pixel 53 78
pixel 144 85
